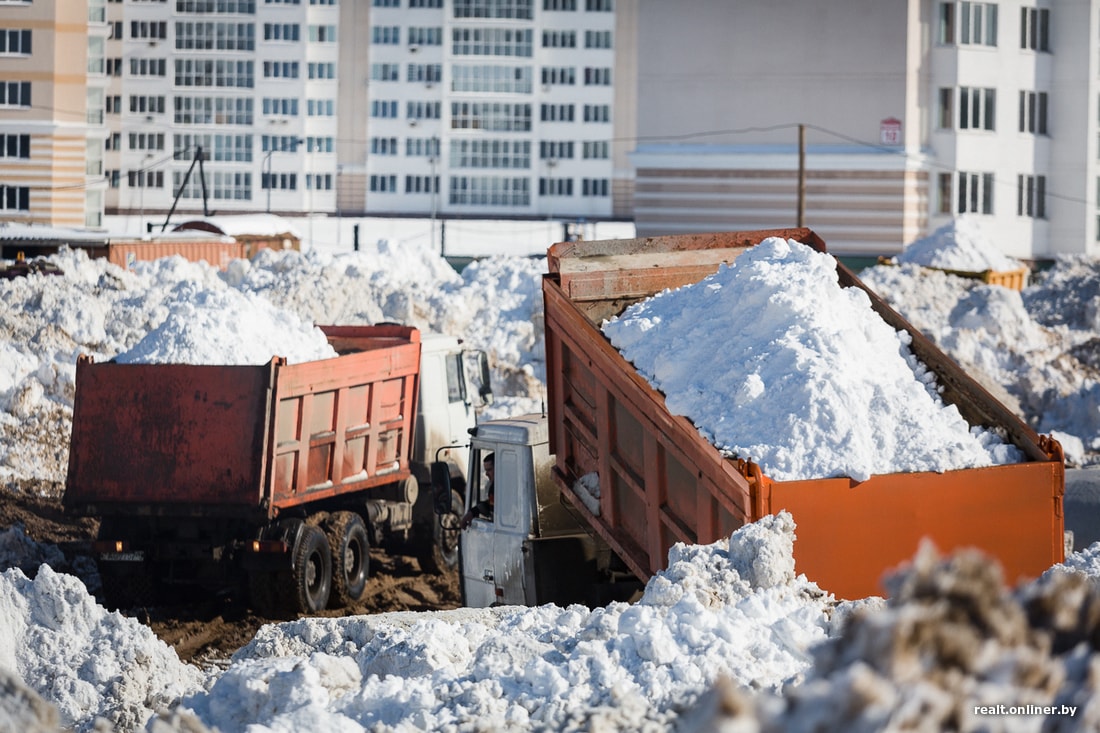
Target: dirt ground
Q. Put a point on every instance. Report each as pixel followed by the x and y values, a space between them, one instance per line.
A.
pixel 209 630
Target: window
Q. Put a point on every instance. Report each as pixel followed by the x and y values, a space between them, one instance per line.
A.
pixel 322 34
pixel 559 39
pixel 322 70
pixel 145 179
pixel 977 108
pixel 214 73
pixel 318 181
pixel 279 181
pixel 231 148
pixel 385 72
pixel 15 198
pixel 599 6
pixel 555 187
pixel 427 73
pixel 491 116
pixel 1031 196
pixel 224 185
pixel 113 141
pixel 212 110
pixel 974 193
pixel 384 108
pixel 513 79
pixel 555 150
pixel 149 29
pixel 425 3
pixel 220 36
pixel 15 146
pixel 385 34
pixel 597 113
pixel 596 150
pixel 15 94
pixel 946 120
pixel 557 112
pixel 561 5
pixel 383 183
pixel 383 146
pixel 281 106
pixel 386 3
pixel 491 154
pixel 320 144
pixel 425 36
pixel 148 67
pixel 282 32
pixel 489 191
pixel 597 77
pixel 1033 112
pixel 15 42
pixel 594 187
pixel 280 69
pixel 147 104
pixel 1035 29
pixel 114 67
pixel 422 110
pixel 967 23
pixel 559 75
pixel 279 143
pixel 422 184
pixel 246 7
pixel 491 42
pixel 320 108
pixel 597 39
pixel 422 147
pixel 517 9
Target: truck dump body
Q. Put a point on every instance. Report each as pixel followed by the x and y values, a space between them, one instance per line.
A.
pixel 661 482
pixel 244 441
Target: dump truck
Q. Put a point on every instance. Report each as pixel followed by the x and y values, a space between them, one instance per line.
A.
pixel 277 478
pixel 595 491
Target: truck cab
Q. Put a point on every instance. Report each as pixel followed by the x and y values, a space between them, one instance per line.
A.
pixel 533 549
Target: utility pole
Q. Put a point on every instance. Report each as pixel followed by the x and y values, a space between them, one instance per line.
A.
pixel 801 218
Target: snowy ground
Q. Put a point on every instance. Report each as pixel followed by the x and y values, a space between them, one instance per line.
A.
pixel 728 637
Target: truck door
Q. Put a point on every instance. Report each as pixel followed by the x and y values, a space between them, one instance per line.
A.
pixel 493 565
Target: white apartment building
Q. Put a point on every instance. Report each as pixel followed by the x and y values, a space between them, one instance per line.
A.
pixel 492 108
pixel 914 113
pixel 252 84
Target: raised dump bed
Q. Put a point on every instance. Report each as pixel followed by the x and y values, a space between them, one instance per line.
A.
pixel 661 482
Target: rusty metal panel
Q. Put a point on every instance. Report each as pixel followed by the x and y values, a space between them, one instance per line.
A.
pixel 217 252
pixel 168 434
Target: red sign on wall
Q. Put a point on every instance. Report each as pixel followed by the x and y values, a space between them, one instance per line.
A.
pixel 889 131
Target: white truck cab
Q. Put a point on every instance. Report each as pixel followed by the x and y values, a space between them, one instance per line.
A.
pixel 532 549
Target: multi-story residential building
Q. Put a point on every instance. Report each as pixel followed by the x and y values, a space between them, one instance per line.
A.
pixel 51 111
pixel 492 107
pixel 222 105
pixel 913 113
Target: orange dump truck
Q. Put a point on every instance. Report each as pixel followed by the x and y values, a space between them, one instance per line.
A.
pixel 277 477
pixel 652 480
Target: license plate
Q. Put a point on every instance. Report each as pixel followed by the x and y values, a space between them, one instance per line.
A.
pixel 134 556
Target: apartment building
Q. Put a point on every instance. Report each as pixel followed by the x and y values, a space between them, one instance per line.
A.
pixel 51 111
pixel 912 113
pixel 493 108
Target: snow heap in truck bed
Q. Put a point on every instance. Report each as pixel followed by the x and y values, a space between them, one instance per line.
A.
pixel 774 361
pixel 960 245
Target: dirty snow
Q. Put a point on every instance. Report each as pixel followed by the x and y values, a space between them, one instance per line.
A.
pixel 772 360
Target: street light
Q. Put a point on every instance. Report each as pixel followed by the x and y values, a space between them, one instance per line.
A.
pixel 434 187
pixel 266 165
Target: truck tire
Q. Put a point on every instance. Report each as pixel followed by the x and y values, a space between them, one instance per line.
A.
pixel 127 585
pixel 440 553
pixel 311 572
pixel 347 536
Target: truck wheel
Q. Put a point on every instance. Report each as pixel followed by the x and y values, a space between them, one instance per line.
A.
pixel 347 536
pixel 311 572
pixel 127 587
pixel 441 554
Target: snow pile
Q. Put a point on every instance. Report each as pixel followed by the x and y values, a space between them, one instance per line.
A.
pixel 952 650
pixel 959 245
pixel 83 660
pixel 175 310
pixel 774 361
pixel 733 608
pixel 226 327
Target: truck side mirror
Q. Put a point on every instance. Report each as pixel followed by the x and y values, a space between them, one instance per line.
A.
pixel 441 487
pixel 486 389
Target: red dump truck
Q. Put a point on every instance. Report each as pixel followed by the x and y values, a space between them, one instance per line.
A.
pixel 598 490
pixel 279 477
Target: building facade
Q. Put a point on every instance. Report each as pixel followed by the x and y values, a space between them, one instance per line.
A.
pixel 912 113
pixel 51 111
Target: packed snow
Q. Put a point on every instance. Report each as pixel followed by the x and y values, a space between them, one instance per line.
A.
pixel 729 637
pixel 962 245
pixel 773 360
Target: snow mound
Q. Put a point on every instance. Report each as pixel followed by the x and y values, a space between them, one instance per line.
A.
pixel 226 327
pixel 734 608
pixel 774 361
pixel 82 659
pixel 961 245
